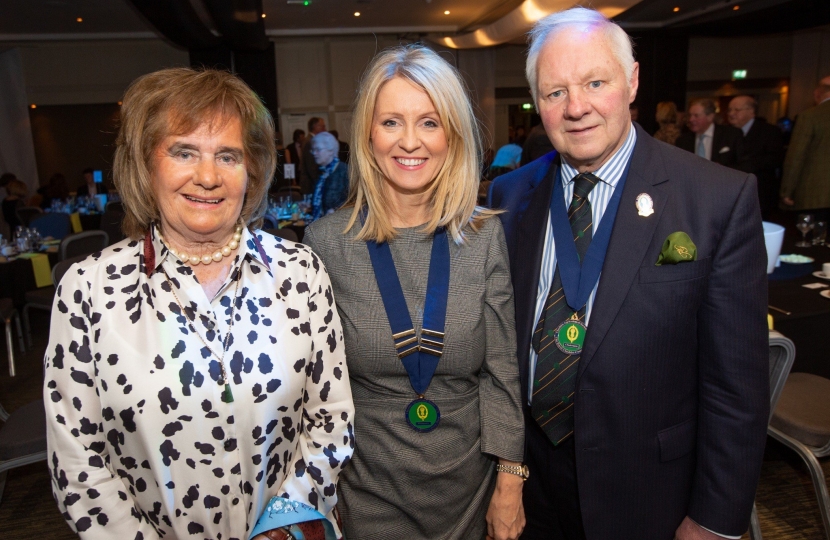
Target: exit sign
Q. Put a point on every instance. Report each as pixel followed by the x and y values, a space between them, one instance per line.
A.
pixel 738 74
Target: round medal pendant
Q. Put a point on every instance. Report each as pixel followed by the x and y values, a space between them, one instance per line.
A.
pixel 569 336
pixel 423 415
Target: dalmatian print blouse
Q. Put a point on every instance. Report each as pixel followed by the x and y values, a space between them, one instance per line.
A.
pixel 140 443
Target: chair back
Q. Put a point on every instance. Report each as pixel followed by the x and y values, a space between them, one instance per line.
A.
pixel 269 222
pixel 781 358
pixel 59 270
pixel 26 213
pixel 287 234
pixel 83 243
pixel 114 206
pixel 56 225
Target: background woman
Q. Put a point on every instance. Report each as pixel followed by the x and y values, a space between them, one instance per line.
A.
pixel 16 198
pixel 666 117
pixel 332 186
pixel 425 465
pixel 195 370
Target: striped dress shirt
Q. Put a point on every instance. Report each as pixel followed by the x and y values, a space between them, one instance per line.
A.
pixel 609 174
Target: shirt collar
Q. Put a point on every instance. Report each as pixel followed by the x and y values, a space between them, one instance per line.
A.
pixel 746 127
pixel 710 131
pixel 612 170
pixel 156 252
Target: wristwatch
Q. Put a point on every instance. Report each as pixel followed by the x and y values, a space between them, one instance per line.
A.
pixel 518 470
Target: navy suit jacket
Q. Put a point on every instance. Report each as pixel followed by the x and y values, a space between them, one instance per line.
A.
pixel 672 399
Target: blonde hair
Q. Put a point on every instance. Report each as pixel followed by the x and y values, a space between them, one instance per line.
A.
pixel 453 193
pixel 17 188
pixel 177 101
pixel 666 113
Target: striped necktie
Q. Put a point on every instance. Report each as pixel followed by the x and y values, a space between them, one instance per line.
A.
pixel 554 381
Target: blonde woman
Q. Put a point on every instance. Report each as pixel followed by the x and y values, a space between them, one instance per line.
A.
pixel 666 117
pixel 423 289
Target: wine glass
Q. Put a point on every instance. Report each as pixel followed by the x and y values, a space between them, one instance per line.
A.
pixel 805 223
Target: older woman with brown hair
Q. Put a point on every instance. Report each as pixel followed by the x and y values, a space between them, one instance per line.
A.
pixel 422 282
pixel 195 374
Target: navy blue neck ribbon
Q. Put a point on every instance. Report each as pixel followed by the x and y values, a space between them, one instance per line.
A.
pixel 419 359
pixel 579 278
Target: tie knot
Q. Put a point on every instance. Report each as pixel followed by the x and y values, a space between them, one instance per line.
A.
pixel 583 184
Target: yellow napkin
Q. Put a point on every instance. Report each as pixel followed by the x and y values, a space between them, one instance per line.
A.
pixel 75 219
pixel 41 268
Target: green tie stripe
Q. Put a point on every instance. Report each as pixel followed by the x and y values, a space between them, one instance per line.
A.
pixel 556 372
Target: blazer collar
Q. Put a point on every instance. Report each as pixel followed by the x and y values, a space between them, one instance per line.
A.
pixel 630 239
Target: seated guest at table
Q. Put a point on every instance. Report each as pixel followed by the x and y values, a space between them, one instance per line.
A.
pixel 56 190
pixel 15 198
pixel 431 427
pixel 195 373
pixel 666 117
pixel 89 188
pixel 332 186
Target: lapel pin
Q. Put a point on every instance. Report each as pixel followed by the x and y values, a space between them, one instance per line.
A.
pixel 645 205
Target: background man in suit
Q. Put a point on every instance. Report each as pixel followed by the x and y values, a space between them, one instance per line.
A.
pixel 762 149
pixel 308 167
pixel 656 428
pixel 707 139
pixel 806 181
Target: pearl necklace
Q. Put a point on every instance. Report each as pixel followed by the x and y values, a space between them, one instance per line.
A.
pixel 217 256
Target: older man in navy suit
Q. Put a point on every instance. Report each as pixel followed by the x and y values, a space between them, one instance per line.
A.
pixel 640 287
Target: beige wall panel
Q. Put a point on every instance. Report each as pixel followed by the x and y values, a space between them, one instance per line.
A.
pixel 349 59
pixel 302 74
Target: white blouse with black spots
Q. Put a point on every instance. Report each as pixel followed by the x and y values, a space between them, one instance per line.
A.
pixel 141 444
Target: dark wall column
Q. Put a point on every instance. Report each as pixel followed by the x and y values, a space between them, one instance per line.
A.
pixel 663 66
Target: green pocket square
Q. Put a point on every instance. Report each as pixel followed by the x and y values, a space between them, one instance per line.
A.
pixel 677 248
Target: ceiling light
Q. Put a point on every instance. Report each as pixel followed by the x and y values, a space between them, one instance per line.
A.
pixel 119 103
pixel 447 12
pixel 736 8
pixel 263 15
pixel 33 106
pixel 80 19
pixel 357 14
pixel 676 9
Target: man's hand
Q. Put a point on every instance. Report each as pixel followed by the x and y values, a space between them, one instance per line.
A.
pixel 689 530
pixel 506 515
pixel 787 201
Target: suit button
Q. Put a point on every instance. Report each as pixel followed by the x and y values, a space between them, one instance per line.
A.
pixel 230 445
pixel 235 501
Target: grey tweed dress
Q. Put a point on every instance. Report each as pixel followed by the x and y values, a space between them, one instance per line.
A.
pixel 436 485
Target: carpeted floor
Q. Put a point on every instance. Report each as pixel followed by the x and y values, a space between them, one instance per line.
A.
pixel 786 502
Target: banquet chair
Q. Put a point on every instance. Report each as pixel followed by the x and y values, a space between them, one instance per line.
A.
pixel 26 213
pixel 111 222
pixel 9 313
pixel 44 297
pixel 56 225
pixel 287 234
pixel 83 243
pixel 781 358
pixel 22 438
pixel 268 222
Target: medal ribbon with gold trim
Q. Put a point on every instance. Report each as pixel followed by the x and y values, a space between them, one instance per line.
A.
pixel 419 357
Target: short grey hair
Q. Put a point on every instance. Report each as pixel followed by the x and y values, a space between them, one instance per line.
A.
pixel 578 18
pixel 324 139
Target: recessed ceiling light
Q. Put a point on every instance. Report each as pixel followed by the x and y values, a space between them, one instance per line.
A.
pixel 676 9
pixel 119 103
pixel 80 19
pixel 357 14
pixel 33 106
pixel 263 15
pixel 736 8
pixel 447 12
